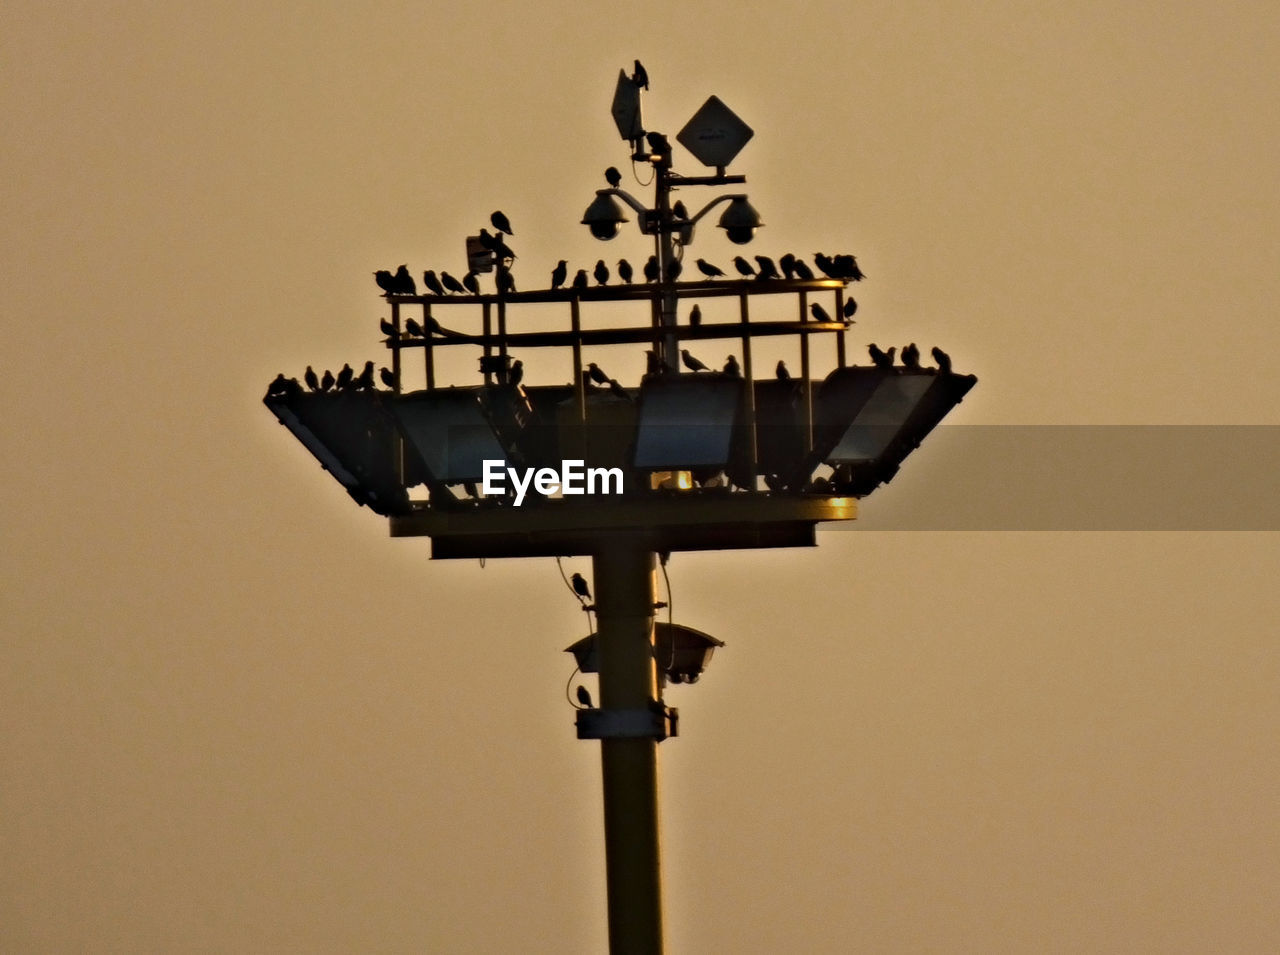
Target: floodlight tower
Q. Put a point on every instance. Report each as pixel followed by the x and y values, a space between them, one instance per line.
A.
pixel 706 460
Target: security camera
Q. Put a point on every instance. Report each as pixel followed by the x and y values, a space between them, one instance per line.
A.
pixel 740 221
pixel 604 216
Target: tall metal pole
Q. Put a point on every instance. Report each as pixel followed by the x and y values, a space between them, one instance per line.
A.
pixel 624 584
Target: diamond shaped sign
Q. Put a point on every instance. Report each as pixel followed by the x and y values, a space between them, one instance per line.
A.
pixel 714 134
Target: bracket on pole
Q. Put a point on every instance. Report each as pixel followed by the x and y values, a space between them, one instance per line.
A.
pixel 658 722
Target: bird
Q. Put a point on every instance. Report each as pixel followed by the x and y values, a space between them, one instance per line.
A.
pixel 943 360
pixel 516 373
pixel 613 177
pixel 502 252
pixel 651 271
pixel 617 390
pixel 731 367
pixel 695 316
pixel 559 274
pixel 802 270
pixel 388 379
pixel 744 267
pixel 411 327
pixel 580 281
pixel 364 380
pixel 788 265
pixel 910 356
pixel 327 381
pixel 580 586
pixel 488 240
pixel 825 265
pixel 690 362
pixel 601 272
pixel 767 269
pixel 452 284
pixel 674 268
pixel 345 374
pixel 658 143
pixel 709 270
pixel 624 271
pixel 309 376
pixel 679 211
pixel 505 281
pixel 404 281
pixel 432 281
pixel 471 283
pixel 279 385
pixel 847 268
pixel 387 328
pixel 386 281
pixel 639 76
pixel 652 363
pixel 818 312
pixel 781 371
pixel 881 359
pixel 597 374
pixel 584 696
pixel 850 306
pixel 501 223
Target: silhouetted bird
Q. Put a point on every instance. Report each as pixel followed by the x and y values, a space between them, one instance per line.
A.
pixel 613 177
pixel 345 374
pixel 674 268
pixel 652 363
pixel 624 271
pixel 744 267
pixel 651 270
pixel 452 284
pixel 431 281
pixel 767 269
pixel 470 283
pixel 559 274
pixel 881 359
pixel 639 76
pixel 825 265
pixel 584 697
pixel 279 385
pixel 709 270
pixel 597 375
pixel 387 328
pixel 617 390
pixel 580 586
pixel 505 281
pixel 488 240
pixel 732 368
pixel 781 371
pixel 500 223
pixel 690 362
pixel 502 251
pixel 364 380
pixel 580 280
pixel 516 373
pixel 404 281
pixel 601 272
pixel 386 281
pixel 327 381
pixel 850 306
pixel 802 270
pixel 818 312
pixel 388 379
pixel 658 143
pixel 309 376
pixel 943 360
pixel 788 265
pixel 679 211
pixel 411 327
pixel 847 268
pixel 695 316
pixel 910 356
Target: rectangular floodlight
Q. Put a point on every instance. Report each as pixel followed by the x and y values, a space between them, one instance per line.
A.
pixel 448 432
pixel 687 421
pixel 353 439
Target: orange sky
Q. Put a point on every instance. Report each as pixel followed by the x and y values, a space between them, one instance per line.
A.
pixel 238 717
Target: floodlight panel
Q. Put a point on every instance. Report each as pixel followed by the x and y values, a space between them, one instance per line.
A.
pixel 449 432
pixel 289 418
pixel 881 418
pixel 714 134
pixel 687 421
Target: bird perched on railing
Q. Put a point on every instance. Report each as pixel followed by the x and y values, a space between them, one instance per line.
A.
pixel 309 376
pixel 850 306
pixel 327 381
pixel 411 327
pixel 767 269
pixel 505 281
pixel 818 312
pixel 744 267
pixel 652 363
pixel 387 328
pixel 452 284
pixel 404 282
pixel 731 367
pixel 601 272
pixel 881 359
pixel 943 360
pixel 501 223
pixel 690 362
pixel 559 274
pixel 802 270
pixel 345 374
pixel 781 371
pixel 364 380
pixel 910 356
pixel 597 374
pixel 515 374
pixel 386 281
pixel 432 281
pixel 787 263
pixel 387 377
pixel 709 270
pixel 651 269
pixel 624 271
pixel 674 268
pixel 471 283
pixel 695 316
pixel 580 281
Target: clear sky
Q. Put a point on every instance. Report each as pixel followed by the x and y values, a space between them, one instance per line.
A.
pixel 237 716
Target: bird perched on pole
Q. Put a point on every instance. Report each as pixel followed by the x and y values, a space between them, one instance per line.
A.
pixel 601 272
pixel 584 695
pixel 580 586
pixel 501 223
pixel 690 362
pixel 781 371
pixel 639 76
pixel 709 270
pixel 559 274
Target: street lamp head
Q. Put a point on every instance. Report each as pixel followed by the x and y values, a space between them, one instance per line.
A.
pixel 740 221
pixel 604 215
